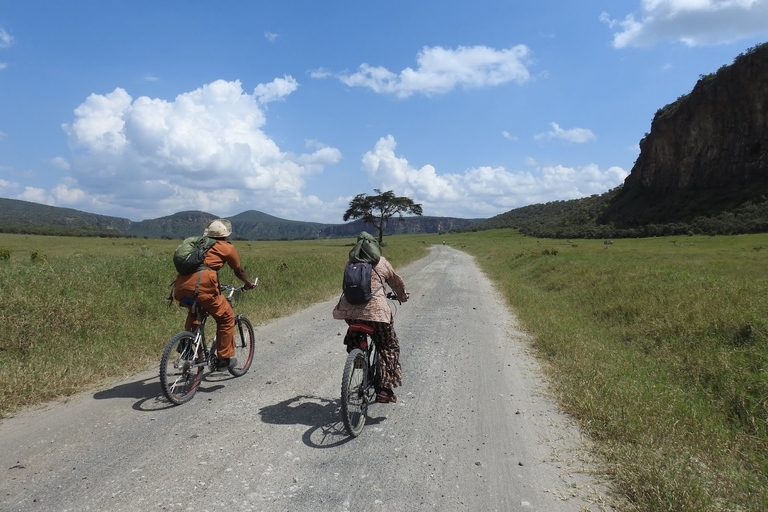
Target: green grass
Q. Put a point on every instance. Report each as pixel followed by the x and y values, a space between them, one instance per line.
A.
pixel 658 347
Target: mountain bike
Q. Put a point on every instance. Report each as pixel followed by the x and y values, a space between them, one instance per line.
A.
pixel 361 376
pixel 187 354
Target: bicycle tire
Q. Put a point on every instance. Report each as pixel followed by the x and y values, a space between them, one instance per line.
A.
pixel 244 346
pixel 179 376
pixel 354 392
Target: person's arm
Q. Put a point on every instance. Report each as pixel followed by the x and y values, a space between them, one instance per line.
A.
pixel 241 275
pixel 234 263
pixel 395 282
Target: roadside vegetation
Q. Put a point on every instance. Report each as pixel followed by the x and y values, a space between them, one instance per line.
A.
pixel 657 346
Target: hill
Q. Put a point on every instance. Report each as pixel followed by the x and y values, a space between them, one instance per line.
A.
pixel 26 217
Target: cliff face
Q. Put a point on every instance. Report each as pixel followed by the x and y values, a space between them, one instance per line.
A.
pixel 715 138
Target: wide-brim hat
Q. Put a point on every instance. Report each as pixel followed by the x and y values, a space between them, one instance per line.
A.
pixel 219 228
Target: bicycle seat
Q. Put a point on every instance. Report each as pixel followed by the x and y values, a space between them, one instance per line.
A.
pixel 367 329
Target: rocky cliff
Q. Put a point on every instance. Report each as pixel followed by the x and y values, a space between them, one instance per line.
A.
pixel 706 154
pixel 715 137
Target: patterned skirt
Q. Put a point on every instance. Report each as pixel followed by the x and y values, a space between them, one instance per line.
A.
pixel 387 344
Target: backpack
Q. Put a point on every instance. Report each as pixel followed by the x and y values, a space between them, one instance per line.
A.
pixel 189 255
pixel 366 249
pixel 356 284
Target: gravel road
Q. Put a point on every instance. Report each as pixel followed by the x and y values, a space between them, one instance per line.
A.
pixel 473 429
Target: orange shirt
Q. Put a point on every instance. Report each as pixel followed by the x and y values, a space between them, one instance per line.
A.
pixel 221 253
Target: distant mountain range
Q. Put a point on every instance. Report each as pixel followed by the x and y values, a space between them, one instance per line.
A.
pixel 32 218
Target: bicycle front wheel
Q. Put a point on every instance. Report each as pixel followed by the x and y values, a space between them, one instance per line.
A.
pixel 354 386
pixel 243 346
pixel 179 375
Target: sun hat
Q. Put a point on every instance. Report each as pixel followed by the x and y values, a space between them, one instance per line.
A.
pixel 219 228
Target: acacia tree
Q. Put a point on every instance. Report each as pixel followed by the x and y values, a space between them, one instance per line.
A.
pixel 378 209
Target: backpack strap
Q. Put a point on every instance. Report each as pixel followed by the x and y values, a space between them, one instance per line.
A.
pixel 380 280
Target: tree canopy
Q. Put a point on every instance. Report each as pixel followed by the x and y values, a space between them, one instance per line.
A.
pixel 378 209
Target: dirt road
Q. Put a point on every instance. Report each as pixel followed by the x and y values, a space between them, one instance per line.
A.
pixel 473 428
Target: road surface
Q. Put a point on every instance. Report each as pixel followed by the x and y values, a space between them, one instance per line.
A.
pixel 473 428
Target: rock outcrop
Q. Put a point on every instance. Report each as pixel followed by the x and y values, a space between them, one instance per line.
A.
pixel 714 138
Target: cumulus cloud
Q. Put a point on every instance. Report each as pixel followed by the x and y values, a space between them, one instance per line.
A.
pixel 483 191
pixel 270 36
pixel 440 70
pixel 693 22
pixel 277 89
pixel 578 135
pixel 205 149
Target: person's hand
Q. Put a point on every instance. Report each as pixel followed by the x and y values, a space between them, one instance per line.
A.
pixel 249 285
pixel 404 297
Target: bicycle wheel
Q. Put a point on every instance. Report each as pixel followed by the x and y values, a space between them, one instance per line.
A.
pixel 243 346
pixel 354 385
pixel 179 376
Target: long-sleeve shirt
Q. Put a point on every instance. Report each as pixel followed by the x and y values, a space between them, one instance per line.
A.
pixel 377 309
pixel 220 254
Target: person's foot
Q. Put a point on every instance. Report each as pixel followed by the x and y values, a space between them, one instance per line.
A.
pixel 226 364
pixel 386 396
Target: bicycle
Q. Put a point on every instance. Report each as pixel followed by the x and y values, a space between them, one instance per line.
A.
pixel 187 354
pixel 361 376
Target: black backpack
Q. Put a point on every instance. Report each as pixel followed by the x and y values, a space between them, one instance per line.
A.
pixel 357 282
pixel 189 255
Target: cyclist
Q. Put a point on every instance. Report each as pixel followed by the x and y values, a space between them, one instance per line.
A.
pixel 203 287
pixel 378 315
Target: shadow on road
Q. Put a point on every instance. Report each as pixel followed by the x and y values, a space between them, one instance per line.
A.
pixel 320 414
pixel 150 395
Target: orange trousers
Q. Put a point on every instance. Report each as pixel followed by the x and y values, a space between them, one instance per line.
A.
pixel 221 310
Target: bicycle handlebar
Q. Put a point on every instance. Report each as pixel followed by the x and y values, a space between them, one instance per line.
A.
pixel 232 289
pixel 393 296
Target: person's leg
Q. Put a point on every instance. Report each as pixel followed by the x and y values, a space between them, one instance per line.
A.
pixel 220 309
pixel 389 357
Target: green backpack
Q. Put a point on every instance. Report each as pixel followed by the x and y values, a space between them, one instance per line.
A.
pixel 189 255
pixel 366 249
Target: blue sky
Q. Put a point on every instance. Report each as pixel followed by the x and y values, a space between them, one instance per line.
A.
pixel 141 109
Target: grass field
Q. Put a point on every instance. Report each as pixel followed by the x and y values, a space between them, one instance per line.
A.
pixel 658 347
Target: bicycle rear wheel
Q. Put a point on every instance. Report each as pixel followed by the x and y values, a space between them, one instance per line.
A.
pixel 179 376
pixel 354 399
pixel 243 346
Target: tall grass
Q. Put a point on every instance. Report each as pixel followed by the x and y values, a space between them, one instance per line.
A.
pixel 77 312
pixel 660 348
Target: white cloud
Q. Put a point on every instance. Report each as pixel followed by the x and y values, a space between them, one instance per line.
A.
pixel 277 89
pixel 508 136
pixel 6 39
pixel 693 22
pixel 7 188
pixel 60 162
pixel 3 65
pixel 483 191
pixel 270 36
pixel 578 135
pixel 440 70
pixel 205 149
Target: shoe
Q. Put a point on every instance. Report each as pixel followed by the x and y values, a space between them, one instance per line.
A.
pixel 386 396
pixel 226 364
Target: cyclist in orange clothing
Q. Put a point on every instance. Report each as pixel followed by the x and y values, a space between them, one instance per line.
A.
pixel 203 287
